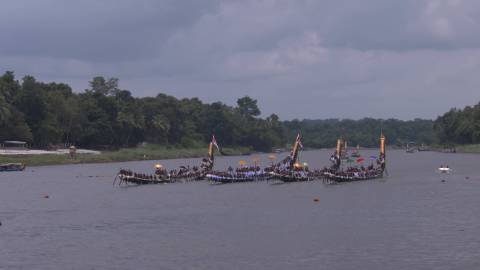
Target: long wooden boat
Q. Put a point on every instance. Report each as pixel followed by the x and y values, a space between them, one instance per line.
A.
pixel 341 176
pixel 290 170
pixel 126 177
pixel 237 177
pixel 161 176
pixel 12 167
pixel 293 176
pixel 336 174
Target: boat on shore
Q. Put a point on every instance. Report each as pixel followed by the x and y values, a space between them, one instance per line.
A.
pixel 12 167
pixel 423 148
pixel 410 149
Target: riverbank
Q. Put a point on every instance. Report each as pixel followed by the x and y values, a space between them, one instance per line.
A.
pixel 145 152
pixel 464 149
pixel 470 148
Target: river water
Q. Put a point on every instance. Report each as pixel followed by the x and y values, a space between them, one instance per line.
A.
pixel 409 220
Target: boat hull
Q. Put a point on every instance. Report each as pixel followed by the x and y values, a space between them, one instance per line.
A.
pixel 351 177
pixel 288 178
pixel 12 167
pixel 138 179
pixel 226 178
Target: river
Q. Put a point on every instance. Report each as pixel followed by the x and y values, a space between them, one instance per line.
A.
pixel 409 220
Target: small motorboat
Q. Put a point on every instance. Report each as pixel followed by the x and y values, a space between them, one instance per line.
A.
pixel 444 169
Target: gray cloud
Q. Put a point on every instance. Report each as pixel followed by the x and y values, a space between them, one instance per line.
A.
pixel 331 58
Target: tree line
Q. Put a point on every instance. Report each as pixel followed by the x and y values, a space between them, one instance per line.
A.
pixel 104 116
pixel 459 126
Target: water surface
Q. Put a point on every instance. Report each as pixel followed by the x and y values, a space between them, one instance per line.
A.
pixel 410 220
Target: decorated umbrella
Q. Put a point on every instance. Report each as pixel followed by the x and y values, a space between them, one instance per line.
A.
pixel 305 165
pixel 360 160
pixel 242 162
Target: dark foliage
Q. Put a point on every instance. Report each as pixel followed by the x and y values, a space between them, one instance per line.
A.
pixel 105 116
pixel 459 126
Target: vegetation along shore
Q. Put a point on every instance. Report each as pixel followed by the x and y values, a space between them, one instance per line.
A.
pixel 144 152
pixel 106 117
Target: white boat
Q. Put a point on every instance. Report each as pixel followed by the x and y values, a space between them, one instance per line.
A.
pixel 444 169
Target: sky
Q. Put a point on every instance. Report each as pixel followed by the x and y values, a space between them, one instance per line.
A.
pixel 300 59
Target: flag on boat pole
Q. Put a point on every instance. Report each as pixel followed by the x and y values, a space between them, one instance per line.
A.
pixel 214 142
pixel 210 147
pixel 294 153
pixel 299 141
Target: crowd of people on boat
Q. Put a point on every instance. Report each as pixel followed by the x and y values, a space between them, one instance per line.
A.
pixel 352 172
pixel 161 174
pixel 244 172
pixel 185 172
pixel 287 169
pixel 141 176
pixel 283 169
pixel 206 165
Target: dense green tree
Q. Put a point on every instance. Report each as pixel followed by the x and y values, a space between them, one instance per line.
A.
pixel 102 86
pixel 106 116
pixel 459 126
pixel 248 107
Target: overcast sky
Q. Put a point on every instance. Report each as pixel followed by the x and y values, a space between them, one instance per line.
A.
pixel 298 58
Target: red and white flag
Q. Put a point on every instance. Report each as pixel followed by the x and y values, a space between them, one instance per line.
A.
pixel 299 141
pixel 214 142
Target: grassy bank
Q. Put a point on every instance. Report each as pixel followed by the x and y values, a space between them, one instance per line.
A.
pixel 466 148
pixel 470 148
pixel 146 152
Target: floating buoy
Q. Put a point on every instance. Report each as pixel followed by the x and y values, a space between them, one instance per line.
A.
pixel 443 181
pixel 316 200
pixel 46 196
pixel 466 177
pixel 0 223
